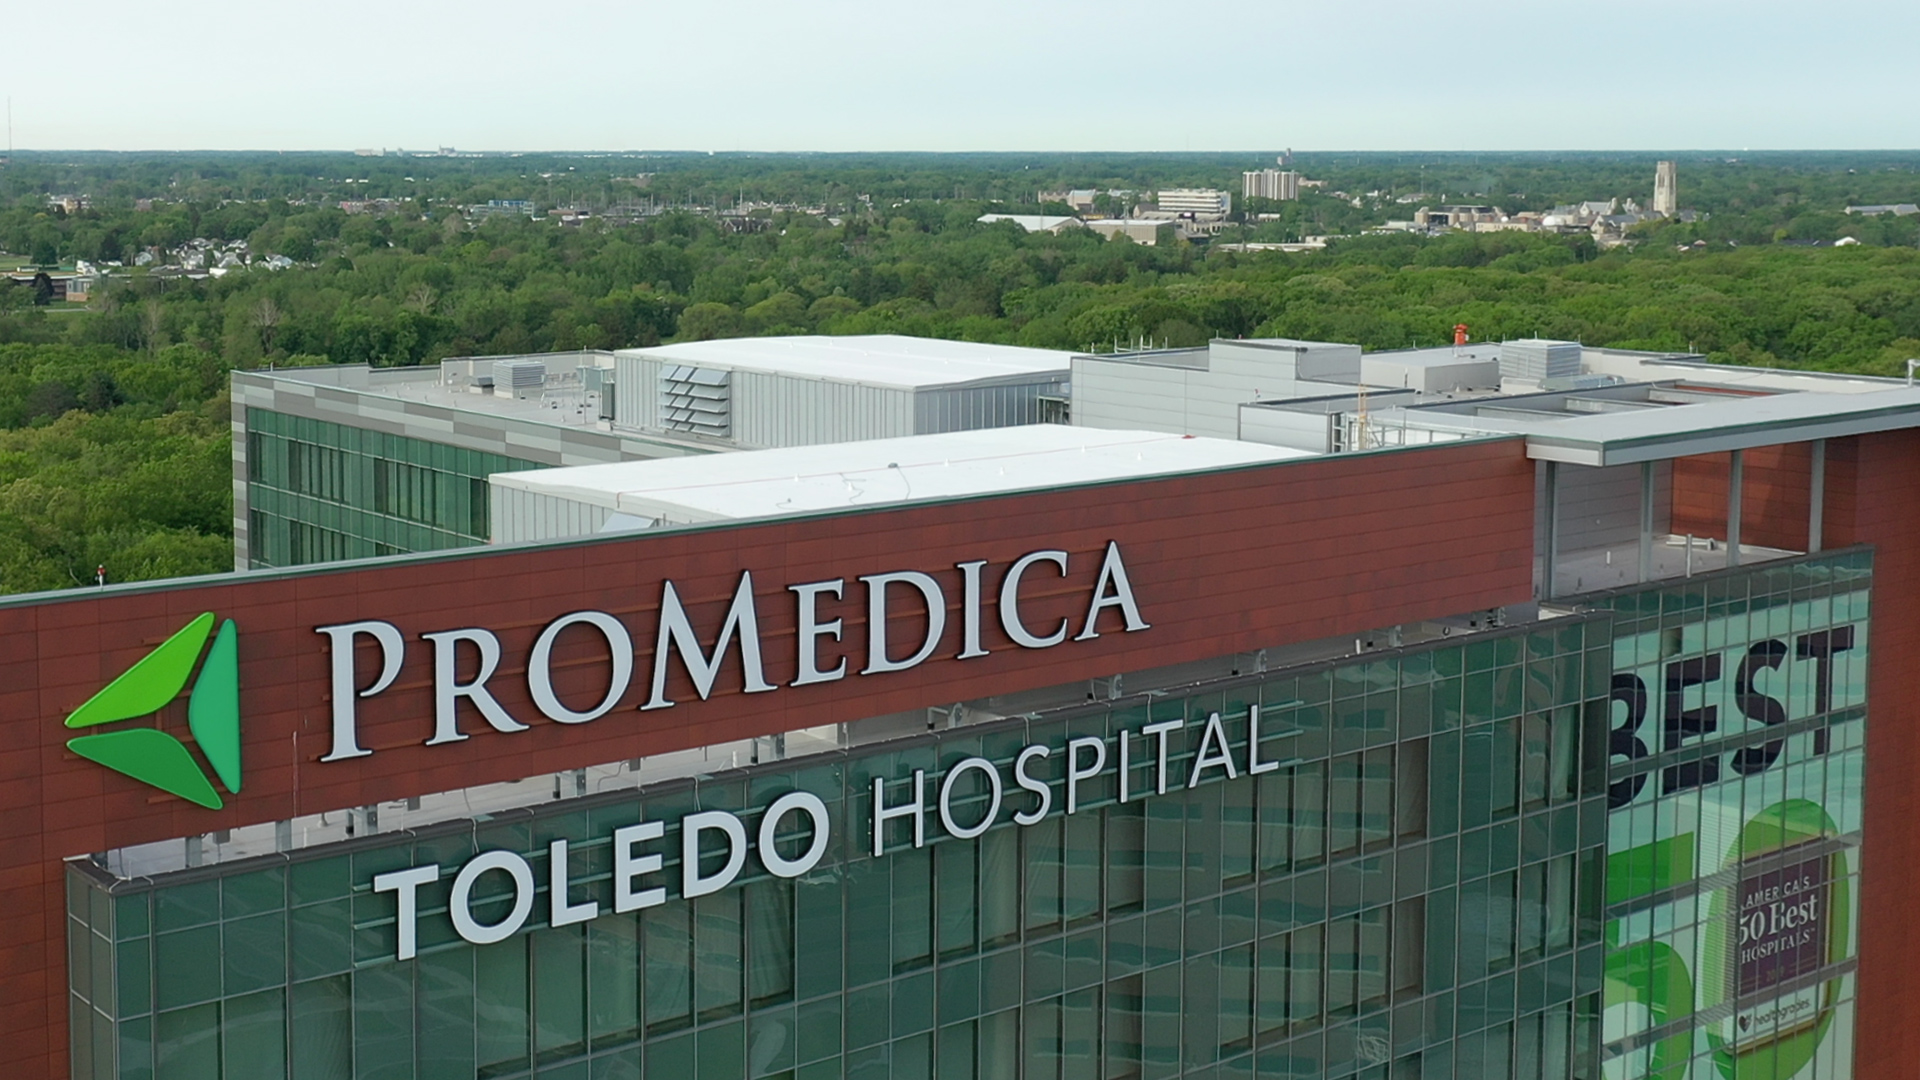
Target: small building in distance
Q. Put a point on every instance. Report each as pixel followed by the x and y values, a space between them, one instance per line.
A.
pixel 1896 209
pixel 1053 223
pixel 1139 230
pixel 1200 202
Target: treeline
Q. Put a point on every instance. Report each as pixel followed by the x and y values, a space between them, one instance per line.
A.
pixel 111 459
pixel 392 291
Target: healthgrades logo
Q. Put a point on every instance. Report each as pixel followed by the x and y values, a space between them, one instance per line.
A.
pixel 213 715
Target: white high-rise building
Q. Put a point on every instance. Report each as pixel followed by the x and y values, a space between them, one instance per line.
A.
pixel 1270 184
pixel 1666 189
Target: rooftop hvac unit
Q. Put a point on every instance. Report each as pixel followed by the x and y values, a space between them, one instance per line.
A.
pixel 519 375
pixel 698 401
pixel 1537 359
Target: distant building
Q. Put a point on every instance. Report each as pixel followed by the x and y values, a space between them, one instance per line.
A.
pixel 1139 230
pixel 1270 184
pixel 1896 209
pixel 1196 201
pixel 1052 223
pixel 1666 189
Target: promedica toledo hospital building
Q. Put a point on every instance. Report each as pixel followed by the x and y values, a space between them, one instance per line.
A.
pixel 1482 734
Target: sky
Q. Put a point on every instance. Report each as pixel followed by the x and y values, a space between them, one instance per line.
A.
pixel 834 75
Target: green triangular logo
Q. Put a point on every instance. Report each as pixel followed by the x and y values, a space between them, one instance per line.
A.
pixel 213 715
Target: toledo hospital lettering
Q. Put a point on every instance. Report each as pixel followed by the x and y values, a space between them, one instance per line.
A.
pixel 741 629
pixel 638 864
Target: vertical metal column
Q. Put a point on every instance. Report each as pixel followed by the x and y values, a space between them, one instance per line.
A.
pixel 1547 591
pixel 1736 482
pixel 1817 499
pixel 1646 521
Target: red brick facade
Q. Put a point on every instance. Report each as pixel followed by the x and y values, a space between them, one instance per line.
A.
pixel 1222 562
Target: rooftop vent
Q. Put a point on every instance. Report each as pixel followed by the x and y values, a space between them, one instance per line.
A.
pixel 696 400
pixel 1537 359
pixel 518 377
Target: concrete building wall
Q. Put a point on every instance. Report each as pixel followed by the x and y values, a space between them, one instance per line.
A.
pixel 350 397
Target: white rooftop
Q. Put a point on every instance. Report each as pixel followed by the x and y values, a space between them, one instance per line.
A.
pixel 804 479
pixel 890 360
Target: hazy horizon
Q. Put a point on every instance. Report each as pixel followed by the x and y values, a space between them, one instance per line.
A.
pixel 866 76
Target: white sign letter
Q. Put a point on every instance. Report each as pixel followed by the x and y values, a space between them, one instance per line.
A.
pixel 447 692
pixel 407 916
pixel 1075 773
pixel 540 666
pixel 1010 601
pixel 393 648
pixel 462 912
pixel 563 913
pixel 675 630
pixel 811 630
pixel 877 619
pixel 882 813
pixel 816 811
pixel 1112 590
pixel 993 798
pixel 1043 795
pixel 627 866
pixel 1213 752
pixel 692 882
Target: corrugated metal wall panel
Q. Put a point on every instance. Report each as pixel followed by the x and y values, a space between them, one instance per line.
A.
pixel 636 393
pixel 520 516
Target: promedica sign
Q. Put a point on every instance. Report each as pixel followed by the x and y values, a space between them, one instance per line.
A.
pixel 674 635
pixel 916 806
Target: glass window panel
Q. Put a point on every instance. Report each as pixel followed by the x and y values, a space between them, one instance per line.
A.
pixel 1080 873
pixel 1343 806
pixel 187 966
pixel 1532 912
pixel 1203 841
pixel 500 1007
pixel 255 1034
pixel 323 1036
pixel 559 992
pixel 1376 798
pixel 911 907
pixel 955 892
pixel 1121 1036
pixel 999 886
pixel 1276 821
pixel 769 942
pixel 1410 790
pixel 187 1044
pixel 1043 863
pixel 1041 1031
pixel 1163 855
pixel 1306 955
pixel 446 997
pixel 1372 959
pixel 1160 1020
pixel 1236 1000
pixel 718 946
pixel 999 1055
pixel 1309 814
pixel 1126 849
pixel 1080 1035
pixel 383 1019
pixel 1409 948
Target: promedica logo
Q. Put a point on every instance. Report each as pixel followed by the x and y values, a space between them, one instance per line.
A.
pixel 213 715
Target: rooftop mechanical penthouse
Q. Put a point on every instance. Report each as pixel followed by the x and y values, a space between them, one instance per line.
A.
pixel 1415 719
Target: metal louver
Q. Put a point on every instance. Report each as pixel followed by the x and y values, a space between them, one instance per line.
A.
pixel 695 400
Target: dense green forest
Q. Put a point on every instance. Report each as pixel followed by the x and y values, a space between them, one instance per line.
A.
pixel 113 419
